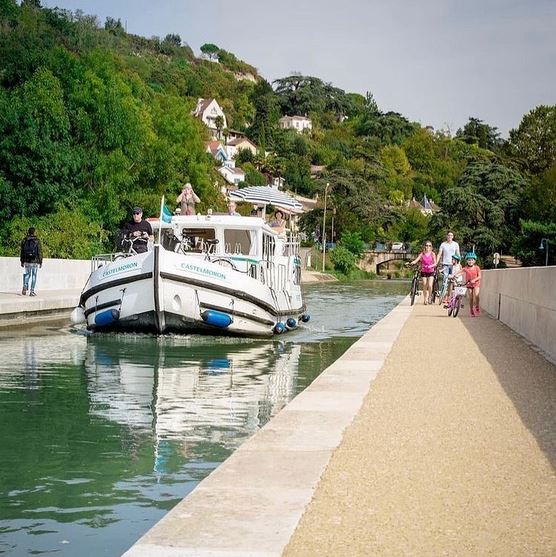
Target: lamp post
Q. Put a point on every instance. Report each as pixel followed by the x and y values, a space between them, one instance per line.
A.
pixel 544 246
pixel 324 226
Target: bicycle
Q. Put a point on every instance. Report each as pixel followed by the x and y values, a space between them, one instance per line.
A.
pixel 414 283
pixel 128 244
pixel 456 301
pixel 436 289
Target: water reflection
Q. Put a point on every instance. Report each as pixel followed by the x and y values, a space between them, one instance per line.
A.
pixel 110 431
pixel 190 388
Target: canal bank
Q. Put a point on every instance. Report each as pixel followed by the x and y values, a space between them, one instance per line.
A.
pixel 451 451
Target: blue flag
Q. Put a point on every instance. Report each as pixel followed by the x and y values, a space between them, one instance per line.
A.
pixel 165 216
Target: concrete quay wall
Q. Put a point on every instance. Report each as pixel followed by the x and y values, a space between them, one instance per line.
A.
pixel 524 299
pixel 55 274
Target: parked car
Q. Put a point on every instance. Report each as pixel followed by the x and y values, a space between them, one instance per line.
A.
pixel 397 246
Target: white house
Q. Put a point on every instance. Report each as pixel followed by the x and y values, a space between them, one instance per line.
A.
pixel 207 110
pixel 236 145
pixel 232 175
pixel 297 123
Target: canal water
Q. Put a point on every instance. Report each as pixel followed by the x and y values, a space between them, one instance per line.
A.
pixel 102 434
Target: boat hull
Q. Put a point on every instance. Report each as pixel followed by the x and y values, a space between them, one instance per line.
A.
pixel 165 292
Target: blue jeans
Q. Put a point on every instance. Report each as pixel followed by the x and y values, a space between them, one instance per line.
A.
pixel 30 271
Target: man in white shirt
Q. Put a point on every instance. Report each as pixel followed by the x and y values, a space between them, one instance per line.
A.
pixel 444 258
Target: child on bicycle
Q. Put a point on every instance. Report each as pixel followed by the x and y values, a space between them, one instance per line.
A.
pixel 472 274
pixel 456 268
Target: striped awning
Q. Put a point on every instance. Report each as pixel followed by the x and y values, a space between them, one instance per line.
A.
pixel 267 195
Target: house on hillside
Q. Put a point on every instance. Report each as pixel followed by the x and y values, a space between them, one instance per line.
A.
pixel 219 152
pixel 297 123
pixel 426 207
pixel 232 175
pixel 236 145
pixel 208 110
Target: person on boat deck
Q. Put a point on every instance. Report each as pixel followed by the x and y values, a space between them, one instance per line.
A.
pixel 187 200
pixel 232 209
pixel 257 212
pixel 139 228
pixel 279 223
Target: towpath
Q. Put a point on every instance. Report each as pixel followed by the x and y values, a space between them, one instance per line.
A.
pixel 452 453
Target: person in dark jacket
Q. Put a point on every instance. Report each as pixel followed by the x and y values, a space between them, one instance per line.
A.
pixel 30 257
pixel 139 229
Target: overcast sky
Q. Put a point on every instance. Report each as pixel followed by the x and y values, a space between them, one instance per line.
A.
pixel 437 62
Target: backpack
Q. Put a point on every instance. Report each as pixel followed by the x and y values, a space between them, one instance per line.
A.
pixel 31 250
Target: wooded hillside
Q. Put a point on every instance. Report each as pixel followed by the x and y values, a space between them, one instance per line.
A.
pixel 94 120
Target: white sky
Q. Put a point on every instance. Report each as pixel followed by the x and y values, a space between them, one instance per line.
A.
pixel 437 62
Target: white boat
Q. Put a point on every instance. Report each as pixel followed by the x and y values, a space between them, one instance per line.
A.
pixel 215 274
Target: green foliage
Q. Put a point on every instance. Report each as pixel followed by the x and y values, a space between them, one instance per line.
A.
pixel 94 120
pixel 476 132
pixel 484 206
pixel 344 261
pixel 353 243
pixel 66 233
pixel 534 141
pixel 526 245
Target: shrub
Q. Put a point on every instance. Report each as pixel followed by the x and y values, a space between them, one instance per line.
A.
pixel 343 260
pixel 352 242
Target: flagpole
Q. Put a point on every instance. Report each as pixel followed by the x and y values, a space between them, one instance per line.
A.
pixel 160 219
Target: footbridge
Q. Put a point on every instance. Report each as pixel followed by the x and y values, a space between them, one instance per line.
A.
pixel 374 261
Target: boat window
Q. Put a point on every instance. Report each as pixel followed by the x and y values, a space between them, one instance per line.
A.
pixel 240 241
pixel 195 239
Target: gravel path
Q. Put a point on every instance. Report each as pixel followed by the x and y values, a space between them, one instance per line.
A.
pixel 453 452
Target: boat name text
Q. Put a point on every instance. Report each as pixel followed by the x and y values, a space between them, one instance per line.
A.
pixel 202 271
pixel 119 269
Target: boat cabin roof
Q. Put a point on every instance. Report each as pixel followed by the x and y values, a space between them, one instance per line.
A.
pixel 215 221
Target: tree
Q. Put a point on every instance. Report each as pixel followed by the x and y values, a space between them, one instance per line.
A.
pixel 484 206
pixel 210 50
pixel 526 245
pixel 534 141
pixel 114 26
pixel 481 134
pixel 267 113
pixel 219 123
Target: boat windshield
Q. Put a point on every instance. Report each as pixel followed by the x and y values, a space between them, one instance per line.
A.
pixel 195 239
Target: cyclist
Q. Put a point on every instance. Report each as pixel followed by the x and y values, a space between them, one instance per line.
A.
pixel 444 258
pixel 456 268
pixel 428 265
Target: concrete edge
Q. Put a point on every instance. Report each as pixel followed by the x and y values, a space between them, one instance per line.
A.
pixel 252 503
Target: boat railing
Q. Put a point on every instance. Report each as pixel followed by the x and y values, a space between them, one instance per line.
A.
pixel 102 259
pixel 291 246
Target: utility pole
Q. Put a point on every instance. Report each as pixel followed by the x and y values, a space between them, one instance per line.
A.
pixel 324 227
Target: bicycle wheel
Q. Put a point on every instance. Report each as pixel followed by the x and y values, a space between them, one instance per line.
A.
pixel 457 306
pixel 434 291
pixel 413 290
pixel 450 309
